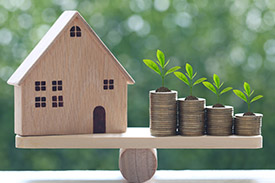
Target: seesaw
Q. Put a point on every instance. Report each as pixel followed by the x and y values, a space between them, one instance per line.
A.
pixel 138 154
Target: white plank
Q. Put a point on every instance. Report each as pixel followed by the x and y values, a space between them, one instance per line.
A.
pixel 185 176
pixel 138 138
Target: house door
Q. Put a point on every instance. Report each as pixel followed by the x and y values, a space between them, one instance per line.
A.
pixel 99 120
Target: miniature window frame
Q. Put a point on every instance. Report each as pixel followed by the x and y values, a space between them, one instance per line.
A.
pixel 40 102
pixel 108 84
pixel 57 85
pixel 57 101
pixel 40 85
pixel 75 31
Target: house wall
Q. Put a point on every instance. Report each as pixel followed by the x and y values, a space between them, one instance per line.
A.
pixel 82 64
pixel 17 110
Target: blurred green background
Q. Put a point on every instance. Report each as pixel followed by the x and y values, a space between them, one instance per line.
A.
pixel 234 39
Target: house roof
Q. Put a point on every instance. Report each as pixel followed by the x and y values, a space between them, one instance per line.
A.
pixel 22 71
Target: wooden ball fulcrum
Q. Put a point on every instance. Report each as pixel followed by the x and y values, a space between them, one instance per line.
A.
pixel 138 165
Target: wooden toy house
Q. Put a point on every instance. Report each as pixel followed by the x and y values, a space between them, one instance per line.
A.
pixel 70 84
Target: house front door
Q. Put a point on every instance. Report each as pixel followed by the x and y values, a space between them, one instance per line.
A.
pixel 99 120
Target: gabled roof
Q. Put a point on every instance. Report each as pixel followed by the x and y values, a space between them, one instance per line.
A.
pixel 22 71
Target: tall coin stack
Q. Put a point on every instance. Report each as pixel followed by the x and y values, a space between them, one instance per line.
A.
pixel 191 117
pixel 219 120
pixel 163 113
pixel 248 125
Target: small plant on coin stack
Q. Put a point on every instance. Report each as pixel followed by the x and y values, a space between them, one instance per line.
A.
pixel 215 88
pixel 248 123
pixel 163 101
pixel 246 96
pixel 219 117
pixel 191 108
pixel 162 70
pixel 188 79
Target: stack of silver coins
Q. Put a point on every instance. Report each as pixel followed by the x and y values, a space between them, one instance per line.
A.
pixel 248 125
pixel 219 120
pixel 191 117
pixel 163 113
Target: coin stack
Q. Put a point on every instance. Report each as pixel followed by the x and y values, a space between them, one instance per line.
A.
pixel 219 120
pixel 248 125
pixel 191 117
pixel 163 113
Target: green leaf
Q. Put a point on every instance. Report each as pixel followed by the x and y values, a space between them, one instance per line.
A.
pixel 246 87
pixel 161 58
pixel 166 63
pixel 216 80
pixel 158 63
pixel 256 98
pixel 226 90
pixel 173 69
pixel 251 93
pixel 152 65
pixel 189 70
pixel 221 84
pixel 194 75
pixel 240 94
pixel 199 81
pixel 182 77
pixel 210 86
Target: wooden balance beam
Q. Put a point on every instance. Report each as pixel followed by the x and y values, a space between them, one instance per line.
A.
pixel 138 156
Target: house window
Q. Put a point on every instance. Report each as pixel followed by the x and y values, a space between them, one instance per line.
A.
pixel 108 84
pixel 57 85
pixel 40 85
pixel 40 102
pixel 57 101
pixel 75 31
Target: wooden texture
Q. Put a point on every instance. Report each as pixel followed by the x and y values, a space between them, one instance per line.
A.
pixel 138 138
pixel 17 110
pixel 48 39
pixel 138 165
pixel 82 63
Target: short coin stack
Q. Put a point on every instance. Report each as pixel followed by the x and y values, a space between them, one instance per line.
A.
pixel 191 117
pixel 219 120
pixel 248 125
pixel 163 113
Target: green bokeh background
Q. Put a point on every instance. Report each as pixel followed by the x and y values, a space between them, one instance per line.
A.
pixel 234 39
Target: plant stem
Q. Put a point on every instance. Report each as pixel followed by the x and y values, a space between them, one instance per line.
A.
pixel 191 86
pixel 248 104
pixel 162 77
pixel 218 95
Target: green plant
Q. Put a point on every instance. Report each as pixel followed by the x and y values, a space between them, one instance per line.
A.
pixel 216 87
pixel 189 74
pixel 161 62
pixel 246 95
